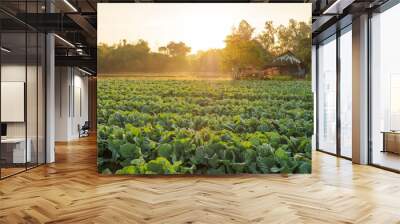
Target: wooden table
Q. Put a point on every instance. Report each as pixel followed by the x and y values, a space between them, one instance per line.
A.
pixel 391 141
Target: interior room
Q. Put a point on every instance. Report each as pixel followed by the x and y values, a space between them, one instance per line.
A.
pixel 22 104
pixel 25 69
pixel 49 138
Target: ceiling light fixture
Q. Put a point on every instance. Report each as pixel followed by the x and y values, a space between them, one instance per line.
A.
pixel 79 51
pixel 337 7
pixel 70 5
pixel 65 41
pixel 84 71
pixel 5 50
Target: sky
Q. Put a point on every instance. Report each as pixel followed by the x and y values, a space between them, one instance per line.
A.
pixel 201 26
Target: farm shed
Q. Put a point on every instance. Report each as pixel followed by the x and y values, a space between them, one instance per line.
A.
pixel 288 64
pixel 285 64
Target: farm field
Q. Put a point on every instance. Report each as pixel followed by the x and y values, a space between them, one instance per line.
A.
pixel 204 126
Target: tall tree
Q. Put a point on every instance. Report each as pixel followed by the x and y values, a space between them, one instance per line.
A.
pixel 178 49
pixel 296 37
pixel 163 50
pixel 267 37
pixel 207 61
pixel 241 49
pixel 244 31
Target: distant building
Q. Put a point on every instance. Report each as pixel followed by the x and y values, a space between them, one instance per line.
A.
pixel 289 64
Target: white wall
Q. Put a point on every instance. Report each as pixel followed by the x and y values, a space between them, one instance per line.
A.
pixel 62 82
pixel 80 108
pixel 71 94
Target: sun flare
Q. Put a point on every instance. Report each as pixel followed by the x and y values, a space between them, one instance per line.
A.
pixel 198 25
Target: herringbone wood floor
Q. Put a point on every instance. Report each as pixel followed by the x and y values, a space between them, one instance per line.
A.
pixel 71 191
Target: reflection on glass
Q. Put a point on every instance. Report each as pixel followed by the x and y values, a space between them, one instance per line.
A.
pixel 41 99
pixel 14 153
pixel 327 96
pixel 394 102
pixel 31 101
pixel 22 92
pixel 385 91
pixel 346 93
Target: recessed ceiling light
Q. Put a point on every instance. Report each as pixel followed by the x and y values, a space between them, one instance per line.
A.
pixel 86 72
pixel 338 6
pixel 70 5
pixel 65 41
pixel 5 50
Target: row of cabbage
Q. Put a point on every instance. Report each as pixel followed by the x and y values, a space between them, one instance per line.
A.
pixel 204 127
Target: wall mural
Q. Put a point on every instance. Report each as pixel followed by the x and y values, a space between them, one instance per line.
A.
pixel 209 89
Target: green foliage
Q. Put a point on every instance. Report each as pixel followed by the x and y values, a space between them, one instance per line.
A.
pixel 129 151
pixel 295 37
pixel 242 50
pixel 198 127
pixel 177 49
pixel 283 77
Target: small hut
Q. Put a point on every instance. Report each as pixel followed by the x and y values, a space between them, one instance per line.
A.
pixel 285 64
pixel 289 64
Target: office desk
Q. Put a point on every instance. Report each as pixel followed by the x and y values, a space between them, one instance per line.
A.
pixel 13 150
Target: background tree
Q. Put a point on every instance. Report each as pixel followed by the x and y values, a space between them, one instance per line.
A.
pixel 177 52
pixel 296 37
pixel 124 56
pixel 207 61
pixel 242 50
pixel 163 50
pixel 267 38
pixel 177 49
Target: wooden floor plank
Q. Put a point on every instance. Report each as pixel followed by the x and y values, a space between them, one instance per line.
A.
pixel 71 191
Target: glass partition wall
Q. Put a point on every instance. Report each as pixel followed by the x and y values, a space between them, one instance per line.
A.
pixel 13 86
pixel 345 91
pixel 334 93
pixel 334 109
pixel 385 90
pixel 22 98
pixel 327 95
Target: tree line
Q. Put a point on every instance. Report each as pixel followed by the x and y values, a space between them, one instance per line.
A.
pixel 243 48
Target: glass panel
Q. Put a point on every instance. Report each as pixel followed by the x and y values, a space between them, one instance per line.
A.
pixel 23 91
pixel 41 99
pixel 385 89
pixel 314 85
pixel 327 96
pixel 346 93
pixel 32 88
pixel 13 86
pixel 31 97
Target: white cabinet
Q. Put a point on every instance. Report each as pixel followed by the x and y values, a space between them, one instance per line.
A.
pixel 19 154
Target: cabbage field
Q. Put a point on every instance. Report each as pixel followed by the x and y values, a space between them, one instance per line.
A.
pixel 204 126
